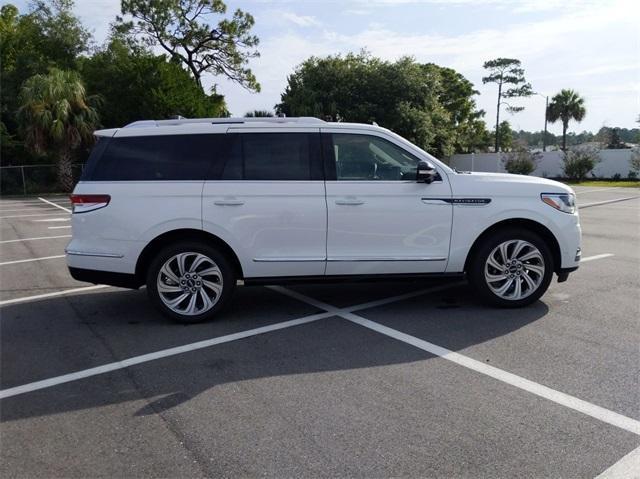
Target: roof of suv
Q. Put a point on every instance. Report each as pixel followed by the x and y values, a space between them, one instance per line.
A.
pixel 202 125
pixel 225 121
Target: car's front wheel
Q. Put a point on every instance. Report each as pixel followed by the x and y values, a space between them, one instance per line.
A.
pixel 511 268
pixel 190 282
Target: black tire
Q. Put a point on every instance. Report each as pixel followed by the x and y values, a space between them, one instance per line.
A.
pixel 228 277
pixel 476 269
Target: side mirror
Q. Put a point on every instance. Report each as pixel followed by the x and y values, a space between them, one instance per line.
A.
pixel 426 173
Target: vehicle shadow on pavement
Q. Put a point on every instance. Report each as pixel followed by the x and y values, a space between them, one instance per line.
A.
pixel 49 338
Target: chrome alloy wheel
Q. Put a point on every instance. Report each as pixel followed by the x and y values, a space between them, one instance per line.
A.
pixel 514 269
pixel 189 283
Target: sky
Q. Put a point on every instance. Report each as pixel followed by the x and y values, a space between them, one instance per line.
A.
pixel 592 46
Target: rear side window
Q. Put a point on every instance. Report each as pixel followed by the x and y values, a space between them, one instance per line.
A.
pixel 157 158
pixel 99 146
pixel 274 156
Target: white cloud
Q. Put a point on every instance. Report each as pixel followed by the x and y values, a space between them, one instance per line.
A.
pixel 588 49
pixel 301 20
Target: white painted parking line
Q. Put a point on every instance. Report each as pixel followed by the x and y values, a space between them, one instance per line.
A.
pixel 58 227
pixel 47 383
pixel 571 402
pixel 56 205
pixel 597 190
pixel 34 239
pixel 32 259
pixel 30 216
pixel 598 203
pixel 29 202
pixel 165 353
pixel 626 468
pixel 52 219
pixel 26 299
pixel 33 208
pixel 597 256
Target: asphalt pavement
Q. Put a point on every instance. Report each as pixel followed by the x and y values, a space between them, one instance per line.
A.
pixel 411 379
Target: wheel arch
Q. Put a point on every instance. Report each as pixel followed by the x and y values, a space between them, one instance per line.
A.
pixel 523 223
pixel 184 234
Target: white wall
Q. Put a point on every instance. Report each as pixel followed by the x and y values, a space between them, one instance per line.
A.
pixel 612 162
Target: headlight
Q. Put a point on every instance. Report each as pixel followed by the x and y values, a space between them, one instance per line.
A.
pixel 565 202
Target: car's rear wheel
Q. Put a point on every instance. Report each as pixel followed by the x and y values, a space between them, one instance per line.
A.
pixel 190 282
pixel 511 268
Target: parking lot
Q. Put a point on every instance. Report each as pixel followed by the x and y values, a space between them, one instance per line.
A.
pixel 365 380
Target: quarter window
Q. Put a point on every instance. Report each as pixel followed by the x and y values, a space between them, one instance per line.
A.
pixel 370 158
pixel 157 158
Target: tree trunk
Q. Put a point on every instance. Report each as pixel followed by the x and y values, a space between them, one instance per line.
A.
pixel 564 135
pixel 498 116
pixel 65 172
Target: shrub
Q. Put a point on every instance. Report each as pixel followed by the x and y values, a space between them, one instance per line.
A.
pixel 634 161
pixel 616 177
pixel 579 162
pixel 521 161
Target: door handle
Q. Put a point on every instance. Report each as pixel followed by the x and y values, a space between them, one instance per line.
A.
pixel 228 202
pixel 350 201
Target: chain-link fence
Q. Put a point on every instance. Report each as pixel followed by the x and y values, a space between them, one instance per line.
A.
pixel 32 179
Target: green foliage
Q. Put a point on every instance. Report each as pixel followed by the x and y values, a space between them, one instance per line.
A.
pixel 184 29
pixel 505 72
pixel 565 106
pixel 579 162
pixel 136 85
pixel 616 138
pixel 634 161
pixel 534 139
pixel 56 116
pixel 455 93
pixel 625 135
pixel 520 161
pixel 506 136
pixel 429 105
pixel 258 114
pixel 49 36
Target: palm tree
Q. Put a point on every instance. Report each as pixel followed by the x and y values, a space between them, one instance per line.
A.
pixel 566 105
pixel 258 114
pixel 56 117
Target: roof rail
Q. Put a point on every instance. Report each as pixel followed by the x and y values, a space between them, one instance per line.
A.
pixel 222 121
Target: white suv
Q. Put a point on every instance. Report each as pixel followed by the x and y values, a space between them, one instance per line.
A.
pixel 189 207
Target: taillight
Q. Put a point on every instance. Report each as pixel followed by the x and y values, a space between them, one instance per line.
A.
pixel 84 203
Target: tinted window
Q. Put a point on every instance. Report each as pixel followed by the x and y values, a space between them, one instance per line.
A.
pixel 370 158
pixel 100 145
pixel 274 156
pixel 155 158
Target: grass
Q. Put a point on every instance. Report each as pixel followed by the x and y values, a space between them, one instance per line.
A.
pixel 607 183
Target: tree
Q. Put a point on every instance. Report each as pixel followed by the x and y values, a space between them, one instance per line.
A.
pixel 135 85
pixel 183 28
pixel 521 161
pixel 48 36
pixel 504 72
pixel 455 93
pixel 258 114
pixel 565 106
pixel 613 140
pixel 535 139
pixel 506 134
pixel 56 116
pixel 404 96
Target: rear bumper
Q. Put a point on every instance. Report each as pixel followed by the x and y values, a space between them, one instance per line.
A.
pixel 122 280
